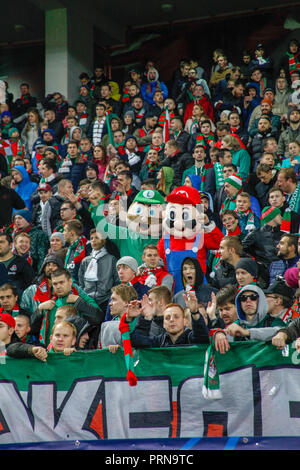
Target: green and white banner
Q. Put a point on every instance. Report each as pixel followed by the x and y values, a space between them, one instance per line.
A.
pixel 86 396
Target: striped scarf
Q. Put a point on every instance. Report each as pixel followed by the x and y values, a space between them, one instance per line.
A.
pixel 219 176
pixel 230 203
pixel 15 311
pixel 294 199
pixel 250 219
pixel 79 246
pixel 152 167
pixel 294 63
pixel 125 330
pixel 205 140
pixel 162 118
pixel 48 320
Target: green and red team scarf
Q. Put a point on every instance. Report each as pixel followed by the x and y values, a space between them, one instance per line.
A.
pixel 17 148
pixel 109 176
pixel 205 140
pixel 211 385
pixel 59 302
pixel 235 233
pixel 125 97
pixel 82 118
pixel 15 311
pixel 22 230
pixel 80 246
pixel 150 90
pixel 25 98
pixel 159 148
pixel 43 291
pixel 152 167
pixel 286 221
pixel 162 118
pixel 125 330
pixel 142 133
pixel 118 195
pixel 294 63
pixel 229 203
pixel 219 176
pixel 250 218
pixel 3 145
pixel 203 174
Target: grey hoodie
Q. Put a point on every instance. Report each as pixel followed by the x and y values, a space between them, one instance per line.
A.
pixel 258 332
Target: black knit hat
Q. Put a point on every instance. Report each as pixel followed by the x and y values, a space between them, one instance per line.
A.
pixel 249 265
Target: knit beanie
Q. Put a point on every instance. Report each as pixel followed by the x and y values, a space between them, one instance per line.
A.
pixel 290 110
pixel 128 261
pixel 6 113
pixel 94 166
pixel 235 181
pixel 12 130
pixel 291 277
pixel 130 137
pixel 59 235
pixel 249 265
pixel 129 112
pixel 266 100
pixel 51 149
pixel 25 213
pixel 269 213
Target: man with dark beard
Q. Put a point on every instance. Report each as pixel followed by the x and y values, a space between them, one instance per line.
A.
pixel 287 252
pixel 292 132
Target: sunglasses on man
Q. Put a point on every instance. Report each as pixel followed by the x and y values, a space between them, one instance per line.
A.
pixel 244 297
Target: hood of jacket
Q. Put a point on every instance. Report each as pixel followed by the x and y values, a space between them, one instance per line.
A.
pixel 262 307
pixel 199 273
pixel 156 75
pixel 82 326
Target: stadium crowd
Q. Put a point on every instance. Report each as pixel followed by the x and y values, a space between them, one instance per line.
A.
pixel 84 256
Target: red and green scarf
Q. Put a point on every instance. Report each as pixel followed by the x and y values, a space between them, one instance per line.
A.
pixel 125 330
pixel 294 63
pixel 152 167
pixel 230 203
pixel 205 140
pixel 80 247
pixel 250 218
pixel 15 311
pixel 48 319
pixel 43 291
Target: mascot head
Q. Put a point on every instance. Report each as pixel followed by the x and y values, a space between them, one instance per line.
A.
pixel 145 214
pixel 184 215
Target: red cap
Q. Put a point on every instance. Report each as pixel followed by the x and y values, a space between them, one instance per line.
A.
pixel 44 187
pixel 185 195
pixel 8 319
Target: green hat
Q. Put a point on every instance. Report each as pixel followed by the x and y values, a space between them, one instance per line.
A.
pixel 11 130
pixel 269 213
pixel 149 196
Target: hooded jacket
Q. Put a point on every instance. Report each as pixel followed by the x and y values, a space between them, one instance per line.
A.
pixel 203 291
pixel 150 87
pixel 82 326
pixel 26 187
pixel 259 330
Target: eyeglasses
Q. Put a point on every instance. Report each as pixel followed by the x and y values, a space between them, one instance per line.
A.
pixel 271 296
pixel 244 297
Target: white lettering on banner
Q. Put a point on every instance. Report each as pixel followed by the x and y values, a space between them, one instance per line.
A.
pixel 202 417
pixel 280 401
pixel 255 402
pixel 41 419
pixel 142 411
